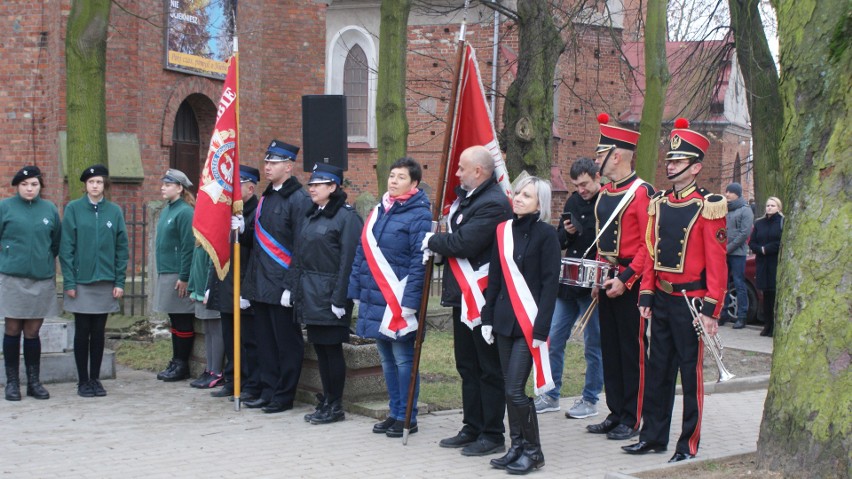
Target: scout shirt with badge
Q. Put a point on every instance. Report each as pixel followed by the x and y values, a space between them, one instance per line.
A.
pixel 94 244
pixel 30 232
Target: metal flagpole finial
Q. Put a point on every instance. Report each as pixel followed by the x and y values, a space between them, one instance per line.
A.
pixel 463 29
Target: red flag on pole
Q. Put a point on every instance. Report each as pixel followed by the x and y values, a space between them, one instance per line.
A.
pixel 473 127
pixel 219 194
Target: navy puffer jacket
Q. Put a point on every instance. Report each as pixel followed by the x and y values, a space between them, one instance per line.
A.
pixel 399 233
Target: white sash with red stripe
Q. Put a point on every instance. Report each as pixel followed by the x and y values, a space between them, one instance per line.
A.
pixel 394 324
pixel 471 282
pixel 524 306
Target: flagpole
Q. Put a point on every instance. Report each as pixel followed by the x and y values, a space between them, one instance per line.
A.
pixel 235 259
pixel 437 207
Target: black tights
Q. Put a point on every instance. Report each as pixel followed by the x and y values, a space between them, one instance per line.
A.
pixel 769 311
pixel 332 369
pixel 89 335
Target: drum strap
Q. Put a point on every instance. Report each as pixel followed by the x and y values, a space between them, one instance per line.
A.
pixel 524 307
pixel 620 206
pixel 394 324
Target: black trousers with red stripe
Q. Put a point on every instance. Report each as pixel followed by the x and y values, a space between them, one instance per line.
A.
pixel 623 352
pixel 674 347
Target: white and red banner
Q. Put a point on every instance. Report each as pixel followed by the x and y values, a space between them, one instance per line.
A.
pixel 525 308
pixel 219 194
pixel 394 324
pixel 473 127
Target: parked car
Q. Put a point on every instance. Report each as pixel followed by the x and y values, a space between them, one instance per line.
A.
pixel 754 296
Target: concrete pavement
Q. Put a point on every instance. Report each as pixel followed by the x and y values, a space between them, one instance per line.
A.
pixel 146 428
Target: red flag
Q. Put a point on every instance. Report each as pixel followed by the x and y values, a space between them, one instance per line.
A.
pixel 219 194
pixel 473 127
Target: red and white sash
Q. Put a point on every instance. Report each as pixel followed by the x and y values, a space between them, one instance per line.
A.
pixel 393 324
pixel 471 282
pixel 524 306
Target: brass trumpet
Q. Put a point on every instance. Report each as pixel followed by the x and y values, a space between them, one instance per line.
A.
pixel 712 343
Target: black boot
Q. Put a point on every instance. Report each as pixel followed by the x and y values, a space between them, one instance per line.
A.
pixel 34 387
pixel 320 405
pixel 178 373
pixel 169 368
pixel 515 450
pixel 532 457
pixel 13 384
pixel 332 412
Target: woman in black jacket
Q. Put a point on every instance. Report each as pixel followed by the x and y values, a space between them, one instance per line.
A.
pixel 327 244
pixel 519 305
pixel 765 242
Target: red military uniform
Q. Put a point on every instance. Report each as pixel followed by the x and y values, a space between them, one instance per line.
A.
pixel 686 240
pixel 622 328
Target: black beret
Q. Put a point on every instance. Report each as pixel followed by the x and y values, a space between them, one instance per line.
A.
pixel 25 173
pixel 94 170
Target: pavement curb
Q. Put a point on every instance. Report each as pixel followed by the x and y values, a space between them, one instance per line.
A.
pixel 736 385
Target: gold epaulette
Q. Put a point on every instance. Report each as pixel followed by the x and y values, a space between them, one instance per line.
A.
pixel 715 207
pixel 652 204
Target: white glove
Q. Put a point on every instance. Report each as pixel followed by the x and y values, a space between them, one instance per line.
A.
pixel 206 296
pixel 356 301
pixel 487 335
pixel 537 343
pixel 409 312
pixel 339 312
pixel 244 303
pixel 238 222
pixel 424 246
pixel 426 254
pixel 285 299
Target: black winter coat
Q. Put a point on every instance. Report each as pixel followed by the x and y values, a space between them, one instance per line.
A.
pixel 583 215
pixel 536 253
pixel 765 241
pixel 282 215
pixel 327 244
pixel 222 292
pixel 473 224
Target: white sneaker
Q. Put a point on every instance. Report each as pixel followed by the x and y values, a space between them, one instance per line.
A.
pixel 545 403
pixel 582 409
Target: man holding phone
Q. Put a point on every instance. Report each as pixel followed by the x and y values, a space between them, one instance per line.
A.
pixel 576 232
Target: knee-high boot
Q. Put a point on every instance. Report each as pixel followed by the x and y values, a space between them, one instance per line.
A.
pixel 517 446
pixel 532 457
pixel 11 356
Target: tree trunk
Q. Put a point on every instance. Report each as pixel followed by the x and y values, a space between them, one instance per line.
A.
pixel 762 95
pixel 807 421
pixel 391 122
pixel 528 110
pixel 656 82
pixel 85 98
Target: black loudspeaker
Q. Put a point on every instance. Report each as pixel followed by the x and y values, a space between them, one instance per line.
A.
pixel 324 138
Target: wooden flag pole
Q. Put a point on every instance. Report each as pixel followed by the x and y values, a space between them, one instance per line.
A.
pixel 437 206
pixel 235 258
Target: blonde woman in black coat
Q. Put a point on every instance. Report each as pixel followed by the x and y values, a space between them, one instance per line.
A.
pixel 520 299
pixel 765 242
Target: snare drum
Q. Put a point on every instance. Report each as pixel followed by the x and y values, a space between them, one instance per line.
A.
pixel 585 273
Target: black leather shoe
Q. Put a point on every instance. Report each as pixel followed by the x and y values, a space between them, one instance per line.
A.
pixel 602 427
pixel 382 427
pixel 178 373
pixel 275 406
pixel 643 447
pixel 622 432
pixel 680 456
pixel 85 390
pixel 483 447
pixel 461 439
pixel 169 368
pixel 226 391
pixel 256 403
pixel 396 429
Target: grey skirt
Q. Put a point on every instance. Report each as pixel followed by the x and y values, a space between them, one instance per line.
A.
pixel 95 298
pixel 25 298
pixel 166 297
pixel 201 311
